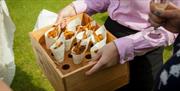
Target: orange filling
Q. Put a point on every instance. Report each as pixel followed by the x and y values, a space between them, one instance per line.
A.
pixel 78 49
pixel 68 34
pixel 98 38
pixel 53 33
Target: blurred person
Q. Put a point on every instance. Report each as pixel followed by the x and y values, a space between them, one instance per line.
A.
pixel 169 76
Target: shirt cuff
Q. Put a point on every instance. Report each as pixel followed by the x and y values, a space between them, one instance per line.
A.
pixel 125 49
pixel 80 6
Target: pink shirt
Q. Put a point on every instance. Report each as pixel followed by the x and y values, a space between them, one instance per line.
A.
pixel 133 14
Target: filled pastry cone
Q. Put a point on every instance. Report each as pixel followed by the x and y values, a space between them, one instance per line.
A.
pixel 92 26
pixel 69 37
pixel 99 39
pixel 99 35
pixel 52 35
pixel 58 49
pixel 83 35
pixel 78 51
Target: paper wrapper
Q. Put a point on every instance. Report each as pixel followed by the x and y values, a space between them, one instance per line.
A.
pixel 77 59
pixel 59 52
pixel 93 23
pixel 71 26
pixel 98 45
pixel 79 36
pixel 50 41
pixel 68 43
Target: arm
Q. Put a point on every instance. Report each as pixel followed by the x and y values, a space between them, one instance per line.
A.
pixel 80 6
pixel 91 6
pixel 141 43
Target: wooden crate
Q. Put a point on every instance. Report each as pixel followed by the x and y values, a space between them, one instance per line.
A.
pixel 73 78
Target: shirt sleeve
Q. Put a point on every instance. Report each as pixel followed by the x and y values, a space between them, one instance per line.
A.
pixel 143 42
pixel 91 6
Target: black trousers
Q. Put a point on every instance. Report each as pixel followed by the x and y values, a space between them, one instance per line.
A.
pixel 143 69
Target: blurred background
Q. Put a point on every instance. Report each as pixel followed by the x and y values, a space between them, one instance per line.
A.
pixel 24 14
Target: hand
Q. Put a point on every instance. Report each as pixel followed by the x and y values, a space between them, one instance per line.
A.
pixel 168 18
pixel 4 87
pixel 105 57
pixel 68 11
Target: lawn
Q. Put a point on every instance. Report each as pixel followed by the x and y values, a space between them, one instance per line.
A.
pixel 24 14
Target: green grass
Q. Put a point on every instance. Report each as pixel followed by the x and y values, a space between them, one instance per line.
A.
pixel 24 14
pixel 167 53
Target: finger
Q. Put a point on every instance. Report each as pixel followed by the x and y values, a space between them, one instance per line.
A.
pixel 92 62
pixel 96 56
pixel 154 23
pixel 168 14
pixel 155 18
pixel 152 6
pixel 95 68
pixel 99 65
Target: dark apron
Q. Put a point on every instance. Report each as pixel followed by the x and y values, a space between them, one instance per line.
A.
pixel 143 69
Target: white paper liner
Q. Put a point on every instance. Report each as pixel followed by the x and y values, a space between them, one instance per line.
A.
pixel 98 45
pixel 68 43
pixel 86 42
pixel 60 51
pixel 79 36
pixel 93 23
pixel 89 33
pixel 101 30
pixel 50 41
pixel 77 59
pixel 71 26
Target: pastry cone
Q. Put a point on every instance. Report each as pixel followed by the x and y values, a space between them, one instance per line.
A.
pixel 69 37
pixel 51 36
pixel 58 50
pixel 78 51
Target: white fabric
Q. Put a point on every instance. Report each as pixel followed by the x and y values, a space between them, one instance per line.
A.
pixel 7 28
pixel 45 18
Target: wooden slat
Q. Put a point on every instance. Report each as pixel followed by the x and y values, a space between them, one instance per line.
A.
pixel 80 82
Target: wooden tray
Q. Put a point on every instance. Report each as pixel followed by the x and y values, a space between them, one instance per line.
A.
pixel 68 76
